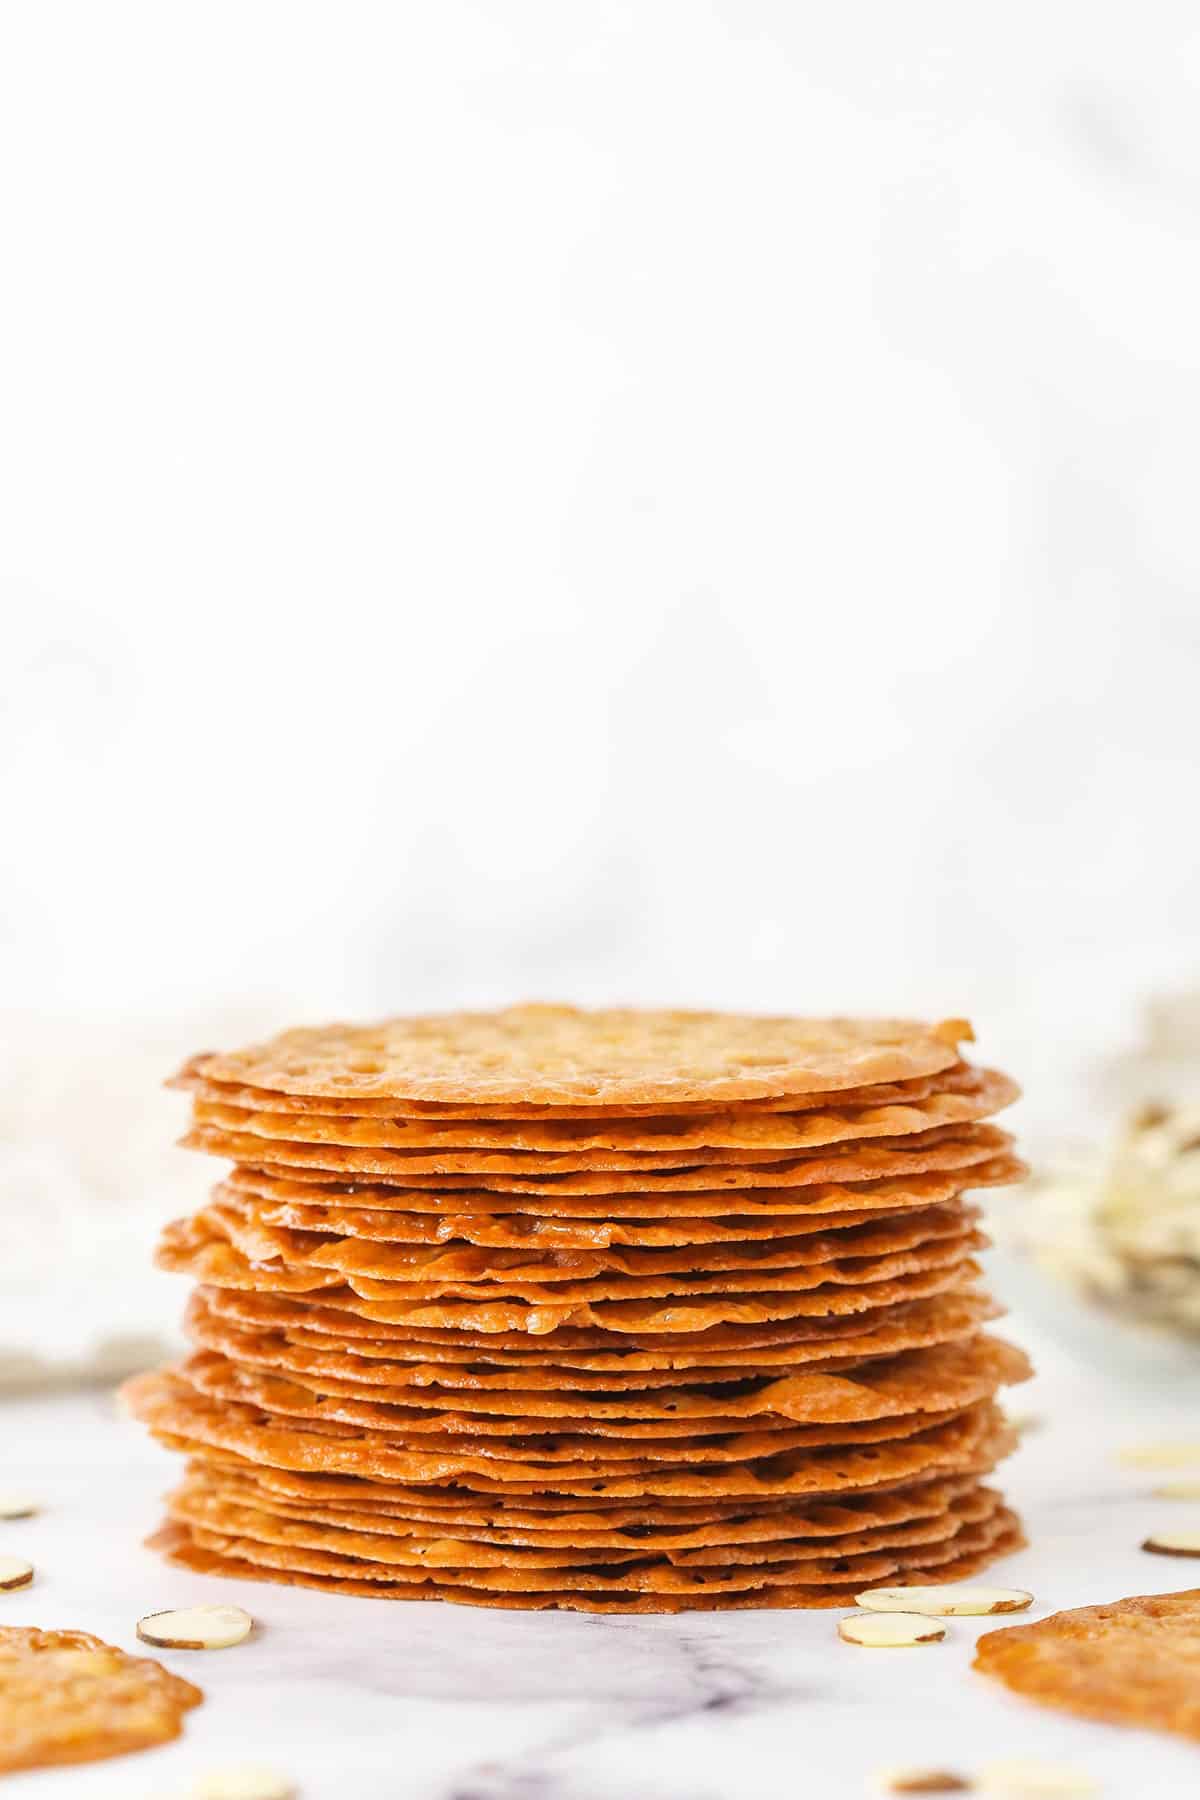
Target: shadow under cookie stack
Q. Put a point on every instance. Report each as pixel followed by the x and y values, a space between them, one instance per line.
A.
pixel 608 1311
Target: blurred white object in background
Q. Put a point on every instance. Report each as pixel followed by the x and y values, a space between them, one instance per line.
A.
pixel 1164 1068
pixel 1122 1225
pixel 1119 1222
pixel 89 1171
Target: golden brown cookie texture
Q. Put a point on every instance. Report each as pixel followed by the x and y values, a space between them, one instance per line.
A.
pixel 68 1697
pixel 606 1311
pixel 222 1558
pixel 775 1132
pixel 566 1055
pixel 1131 1662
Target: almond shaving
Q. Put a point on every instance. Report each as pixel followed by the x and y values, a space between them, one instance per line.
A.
pixel 196 1628
pixel 1173 1543
pixel 1022 1780
pixel 924 1781
pixel 948 1601
pixel 17 1506
pixel 1161 1456
pixel 15 1572
pixel 891 1630
pixel 247 1781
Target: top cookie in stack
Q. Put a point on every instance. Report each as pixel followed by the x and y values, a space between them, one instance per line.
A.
pixel 617 1311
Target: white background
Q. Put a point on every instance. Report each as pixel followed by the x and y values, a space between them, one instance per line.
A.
pixel 665 501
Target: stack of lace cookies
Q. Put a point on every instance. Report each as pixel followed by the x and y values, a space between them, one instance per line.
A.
pixel 611 1311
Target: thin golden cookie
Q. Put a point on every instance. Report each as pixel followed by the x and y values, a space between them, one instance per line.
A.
pixel 549 1520
pixel 944 1318
pixel 930 1380
pixel 677 1533
pixel 401 1543
pixel 176 1544
pixel 782 1133
pixel 170 1405
pixel 460 1262
pixel 685 1171
pixel 539 1208
pixel 562 1055
pixel 957 1078
pixel 1132 1662
pixel 278 1544
pixel 68 1697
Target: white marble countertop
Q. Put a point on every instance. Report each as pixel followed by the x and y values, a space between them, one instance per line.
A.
pixel 431 1702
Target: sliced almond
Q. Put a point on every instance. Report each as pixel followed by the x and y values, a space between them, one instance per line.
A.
pixel 1177 1490
pixel 196 1628
pixel 1021 1780
pixel 890 1630
pixel 15 1572
pixel 16 1506
pixel 948 1602
pixel 245 1781
pixel 923 1781
pixel 1161 1456
pixel 1174 1543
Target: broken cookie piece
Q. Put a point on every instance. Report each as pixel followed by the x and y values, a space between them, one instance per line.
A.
pixel 1131 1662
pixel 68 1697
